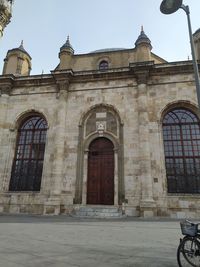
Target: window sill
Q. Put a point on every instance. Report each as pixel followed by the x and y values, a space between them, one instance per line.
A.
pixel 193 195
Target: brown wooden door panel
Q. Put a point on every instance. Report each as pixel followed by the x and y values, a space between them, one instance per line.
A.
pixel 94 184
pixel 107 181
pixel 100 185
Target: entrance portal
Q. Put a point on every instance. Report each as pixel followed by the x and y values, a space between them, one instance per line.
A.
pixel 100 184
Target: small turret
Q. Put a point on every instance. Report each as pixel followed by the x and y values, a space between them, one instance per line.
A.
pixel 143 47
pixel 196 37
pixel 65 55
pixel 17 62
pixel 5 14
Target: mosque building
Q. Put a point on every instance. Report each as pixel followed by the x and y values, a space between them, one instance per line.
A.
pixel 114 131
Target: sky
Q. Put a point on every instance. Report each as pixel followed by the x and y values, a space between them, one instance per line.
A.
pixel 44 25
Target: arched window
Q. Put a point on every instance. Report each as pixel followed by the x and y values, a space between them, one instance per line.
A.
pixel 29 155
pixel 103 65
pixel 181 134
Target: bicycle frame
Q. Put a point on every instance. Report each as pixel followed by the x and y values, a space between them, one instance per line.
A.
pixel 189 246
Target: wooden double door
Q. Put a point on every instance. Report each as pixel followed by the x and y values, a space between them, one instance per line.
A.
pixel 100 183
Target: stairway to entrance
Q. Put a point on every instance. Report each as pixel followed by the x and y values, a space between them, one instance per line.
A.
pixel 98 212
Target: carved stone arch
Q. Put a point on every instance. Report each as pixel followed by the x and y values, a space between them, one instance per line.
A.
pixel 107 106
pixel 20 118
pixel 27 167
pixel 102 59
pixel 181 136
pixel 100 130
pixel 190 105
pixel 14 137
pixel 92 137
pixel 179 104
pixel 23 115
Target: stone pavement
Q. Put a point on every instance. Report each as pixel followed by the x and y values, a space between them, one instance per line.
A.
pixel 43 241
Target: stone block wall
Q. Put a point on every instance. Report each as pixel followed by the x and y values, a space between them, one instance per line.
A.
pixel 139 107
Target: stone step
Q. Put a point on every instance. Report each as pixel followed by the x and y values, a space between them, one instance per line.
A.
pixel 99 209
pixel 98 212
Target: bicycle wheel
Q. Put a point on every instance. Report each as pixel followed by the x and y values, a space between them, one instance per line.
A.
pixel 188 252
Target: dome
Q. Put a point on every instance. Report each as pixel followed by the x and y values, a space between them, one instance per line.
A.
pixel 142 38
pixel 20 48
pixel 107 50
pixel 67 46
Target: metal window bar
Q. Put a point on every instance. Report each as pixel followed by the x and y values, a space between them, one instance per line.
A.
pixel 29 155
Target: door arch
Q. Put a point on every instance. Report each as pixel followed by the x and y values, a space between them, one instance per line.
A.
pixel 100 182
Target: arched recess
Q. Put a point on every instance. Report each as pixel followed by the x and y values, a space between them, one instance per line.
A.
pixel 100 121
pixel 103 65
pixel 181 139
pixel 28 160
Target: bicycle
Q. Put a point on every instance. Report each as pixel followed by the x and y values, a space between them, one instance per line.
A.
pixel 189 248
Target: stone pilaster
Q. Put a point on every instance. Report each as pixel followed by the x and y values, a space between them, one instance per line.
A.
pixel 52 205
pixel 147 204
pixel 5 90
pixel 79 168
pixel 60 134
pixel 4 97
pixel 4 102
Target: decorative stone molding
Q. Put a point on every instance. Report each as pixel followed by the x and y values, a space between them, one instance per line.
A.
pixel 142 76
pixel 62 80
pixel 6 84
pixel 61 86
pixel 101 127
pixel 5 90
pixel 142 70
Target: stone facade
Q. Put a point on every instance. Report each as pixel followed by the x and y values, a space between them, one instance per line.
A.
pixel 124 103
pixel 5 14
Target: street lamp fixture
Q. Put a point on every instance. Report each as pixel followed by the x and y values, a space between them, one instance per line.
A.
pixel 169 7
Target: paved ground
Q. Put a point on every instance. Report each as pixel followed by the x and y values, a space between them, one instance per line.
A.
pixel 30 241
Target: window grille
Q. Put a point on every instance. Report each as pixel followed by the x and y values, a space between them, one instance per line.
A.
pixel 29 155
pixel 181 135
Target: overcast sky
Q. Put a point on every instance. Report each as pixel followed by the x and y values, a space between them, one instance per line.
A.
pixel 92 24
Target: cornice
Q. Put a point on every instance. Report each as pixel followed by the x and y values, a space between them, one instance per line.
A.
pixel 26 81
pixel 173 68
pixel 62 75
pixel 62 78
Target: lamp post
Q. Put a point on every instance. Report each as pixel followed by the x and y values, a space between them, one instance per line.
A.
pixel 169 7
